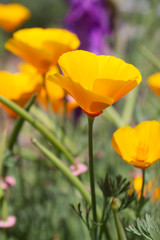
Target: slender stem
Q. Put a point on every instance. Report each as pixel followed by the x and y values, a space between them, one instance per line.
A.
pixel 103 228
pixel 4 209
pixel 66 172
pixel 38 126
pixel 91 172
pixel 149 55
pixel 19 123
pixel 142 190
pixel 3 144
pixel 102 220
pixel 120 230
pixel 64 169
pixel 112 114
pixel 129 106
pixel 64 116
pixel 72 147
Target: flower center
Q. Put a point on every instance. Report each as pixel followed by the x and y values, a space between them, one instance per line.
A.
pixel 141 152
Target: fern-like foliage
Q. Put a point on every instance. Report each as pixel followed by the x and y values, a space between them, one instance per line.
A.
pixel 79 212
pixel 148 228
pixel 117 188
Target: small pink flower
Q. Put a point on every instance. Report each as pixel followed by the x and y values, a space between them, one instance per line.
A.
pixel 8 181
pixel 78 169
pixel 4 185
pixel 9 222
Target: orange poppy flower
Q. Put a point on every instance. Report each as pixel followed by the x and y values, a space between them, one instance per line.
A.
pixel 55 94
pixel 138 146
pixel 19 87
pixel 154 83
pixel 95 82
pixel 42 47
pixel 13 16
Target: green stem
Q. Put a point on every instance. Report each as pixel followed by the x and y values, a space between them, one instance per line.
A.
pixel 3 144
pixel 104 223
pixel 67 173
pixel 4 209
pixel 129 106
pixel 55 128
pixel 19 123
pixel 64 169
pixel 112 114
pixel 146 53
pixel 120 230
pixel 142 191
pixel 64 116
pixel 38 126
pixel 91 172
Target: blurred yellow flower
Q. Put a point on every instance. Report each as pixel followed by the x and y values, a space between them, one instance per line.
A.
pixel 154 83
pixel 95 82
pixel 19 87
pixel 156 194
pixel 13 16
pixel 136 184
pixel 138 146
pixel 150 189
pixel 42 47
pixel 55 95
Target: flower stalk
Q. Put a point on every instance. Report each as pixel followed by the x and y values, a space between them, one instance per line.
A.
pixel 112 115
pixel 19 123
pixel 142 191
pixel 4 209
pixel 120 230
pixel 149 56
pixel 129 106
pixel 66 172
pixel 38 126
pixel 91 172
pixel 64 169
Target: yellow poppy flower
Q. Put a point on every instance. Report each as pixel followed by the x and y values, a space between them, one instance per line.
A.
pixel 19 87
pixel 55 94
pixel 95 82
pixel 42 47
pixel 138 146
pixel 154 83
pixel 13 16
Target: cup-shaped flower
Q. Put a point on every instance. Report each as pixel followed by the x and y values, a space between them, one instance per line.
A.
pixel 42 47
pixel 154 83
pixel 13 16
pixel 138 146
pixel 19 87
pixel 95 82
pixel 56 96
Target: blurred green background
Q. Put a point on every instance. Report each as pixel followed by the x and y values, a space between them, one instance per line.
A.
pixel 41 198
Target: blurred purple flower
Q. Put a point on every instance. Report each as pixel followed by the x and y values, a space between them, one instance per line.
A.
pixel 91 21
